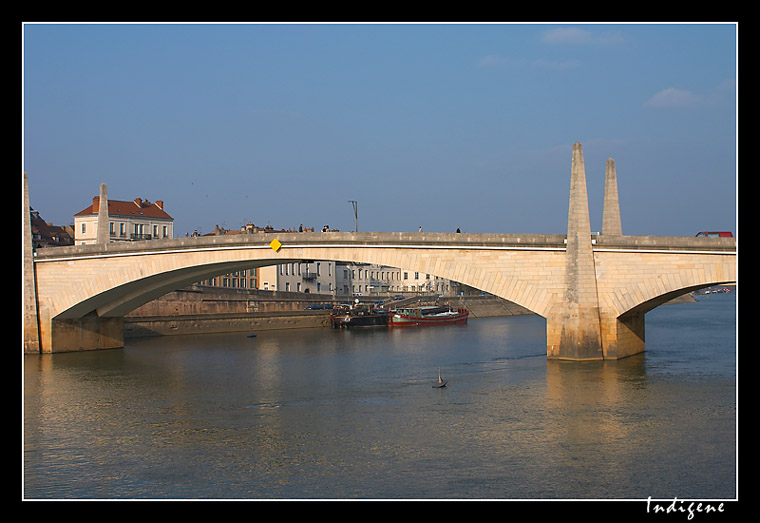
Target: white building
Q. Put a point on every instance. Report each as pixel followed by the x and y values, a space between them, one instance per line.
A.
pixel 367 279
pixel 127 221
pixel 350 279
pixel 317 277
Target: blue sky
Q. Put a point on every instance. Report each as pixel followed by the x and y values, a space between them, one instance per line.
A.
pixel 432 125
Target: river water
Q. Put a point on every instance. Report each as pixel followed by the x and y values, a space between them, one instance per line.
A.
pixel 325 414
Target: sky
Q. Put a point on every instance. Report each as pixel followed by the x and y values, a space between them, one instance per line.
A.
pixel 436 126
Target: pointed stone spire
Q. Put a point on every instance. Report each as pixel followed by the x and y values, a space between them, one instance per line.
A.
pixel 611 224
pixel 103 227
pixel 581 332
pixel 31 325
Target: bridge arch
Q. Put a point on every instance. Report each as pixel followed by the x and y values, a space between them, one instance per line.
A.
pixel 653 303
pixel 658 278
pixel 127 280
pixel 127 296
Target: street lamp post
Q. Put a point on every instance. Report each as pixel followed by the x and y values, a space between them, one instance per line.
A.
pixel 356 215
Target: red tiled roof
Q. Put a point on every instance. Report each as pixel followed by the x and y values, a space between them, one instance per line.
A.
pixel 145 209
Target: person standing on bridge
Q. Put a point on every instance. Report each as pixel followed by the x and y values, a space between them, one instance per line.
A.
pixel 458 230
pixel 420 230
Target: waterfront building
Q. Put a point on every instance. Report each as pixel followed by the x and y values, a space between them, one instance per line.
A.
pixel 317 277
pixel 364 279
pixel 138 219
pixel 46 234
pixel 342 280
pixel 361 279
pixel 245 279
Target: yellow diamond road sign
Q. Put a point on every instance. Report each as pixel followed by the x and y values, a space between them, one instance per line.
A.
pixel 275 244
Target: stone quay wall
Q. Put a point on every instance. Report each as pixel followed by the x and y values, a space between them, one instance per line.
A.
pixel 206 310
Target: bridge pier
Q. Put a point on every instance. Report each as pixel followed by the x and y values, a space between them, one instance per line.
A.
pixel 617 338
pixel 87 333
pixel 622 336
pixel 580 329
pixel 573 331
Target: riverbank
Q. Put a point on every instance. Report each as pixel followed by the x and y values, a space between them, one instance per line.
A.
pixel 196 310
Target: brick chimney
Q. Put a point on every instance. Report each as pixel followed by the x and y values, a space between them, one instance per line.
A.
pixel 138 202
pixel 160 204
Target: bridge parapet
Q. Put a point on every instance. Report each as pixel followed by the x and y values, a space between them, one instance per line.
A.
pixel 665 243
pixel 390 239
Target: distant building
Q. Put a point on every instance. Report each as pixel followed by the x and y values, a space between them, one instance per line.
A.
pixel 362 279
pixel 244 279
pixel 45 234
pixel 127 221
pixel 316 277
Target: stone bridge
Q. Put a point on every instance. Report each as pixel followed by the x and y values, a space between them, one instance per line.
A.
pixel 593 290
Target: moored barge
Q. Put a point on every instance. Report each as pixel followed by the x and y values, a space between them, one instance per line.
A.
pixel 427 316
pixel 359 316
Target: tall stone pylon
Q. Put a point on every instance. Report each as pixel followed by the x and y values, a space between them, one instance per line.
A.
pixel 31 320
pixel 611 225
pixel 103 227
pixel 578 319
